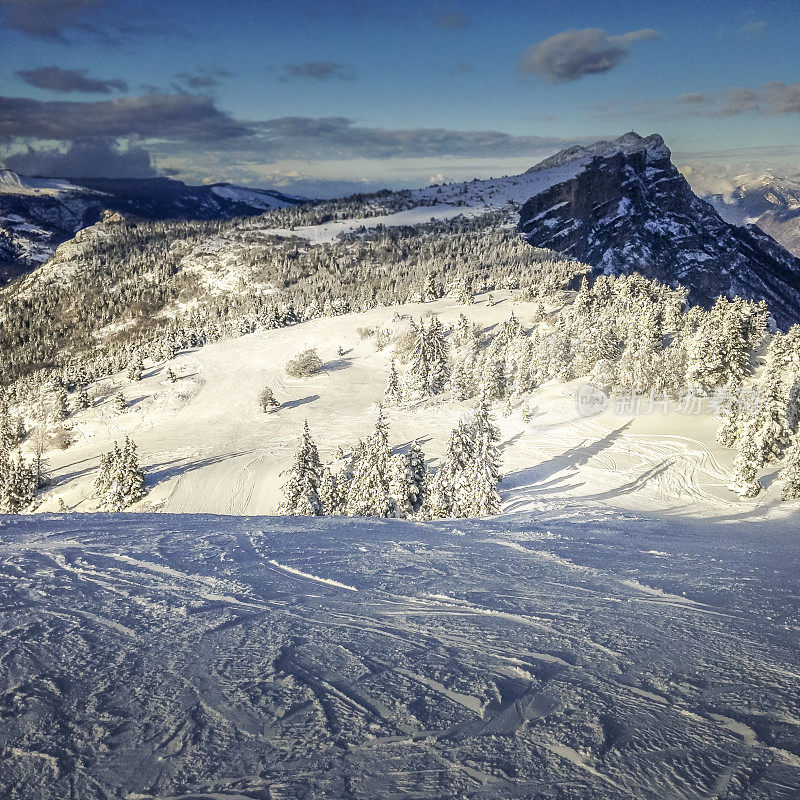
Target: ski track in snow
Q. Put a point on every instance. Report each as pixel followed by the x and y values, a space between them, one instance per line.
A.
pixel 628 657
pixel 310 577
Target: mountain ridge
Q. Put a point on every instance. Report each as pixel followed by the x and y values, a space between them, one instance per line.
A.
pixel 38 214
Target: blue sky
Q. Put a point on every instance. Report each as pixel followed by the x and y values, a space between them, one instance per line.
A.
pixel 325 97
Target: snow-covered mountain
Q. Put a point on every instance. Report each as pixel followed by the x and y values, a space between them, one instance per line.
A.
pixel 770 201
pixel 38 214
pixel 629 209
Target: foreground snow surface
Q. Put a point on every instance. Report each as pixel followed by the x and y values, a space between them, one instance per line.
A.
pixel 596 655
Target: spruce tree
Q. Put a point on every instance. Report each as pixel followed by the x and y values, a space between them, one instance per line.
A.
pixel 330 494
pixel 369 493
pixel 789 478
pixel 485 468
pixel 746 463
pixel 301 490
pixel 393 393
pixel 437 356
pixel 135 369
pixel 82 400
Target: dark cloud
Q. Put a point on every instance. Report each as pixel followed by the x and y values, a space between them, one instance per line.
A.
pixel 317 71
pixel 451 21
pixel 49 18
pixel 186 117
pixel 694 98
pixel 91 158
pixel 70 80
pixel 202 78
pixel 572 54
pixel 340 138
pixel 770 98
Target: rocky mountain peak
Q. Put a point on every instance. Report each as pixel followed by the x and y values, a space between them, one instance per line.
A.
pixel 653 146
pixel 628 209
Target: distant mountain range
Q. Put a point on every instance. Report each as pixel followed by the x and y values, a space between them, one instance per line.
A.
pixel 620 206
pixel 767 200
pixel 38 214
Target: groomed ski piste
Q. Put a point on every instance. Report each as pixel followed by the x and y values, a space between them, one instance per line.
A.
pixel 207 447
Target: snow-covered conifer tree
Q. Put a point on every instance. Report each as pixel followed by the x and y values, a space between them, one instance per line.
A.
pixel 789 478
pixel 135 369
pixel 330 494
pixel 301 490
pixel 485 467
pixel 82 399
pixel 118 403
pixel 393 392
pixel 746 463
pixel 369 493
pixel 120 480
pixel 437 356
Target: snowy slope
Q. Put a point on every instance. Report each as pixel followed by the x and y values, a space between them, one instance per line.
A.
pixel 618 657
pixel 11 183
pixel 469 199
pixel 207 448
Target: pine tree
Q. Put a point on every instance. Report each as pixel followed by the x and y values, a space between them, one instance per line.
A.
pixel 393 393
pixel 267 401
pixel 136 369
pixel 120 480
pixel 61 404
pixel 485 466
pixel 118 403
pixel 330 494
pixel 746 463
pixel 437 356
pixel 418 374
pixel 730 415
pixel 17 483
pixel 771 432
pixel 369 493
pixel 301 490
pixel 789 478
pixel 493 378
pixel 419 475
pixel 82 400
pixel 431 291
pixel 449 486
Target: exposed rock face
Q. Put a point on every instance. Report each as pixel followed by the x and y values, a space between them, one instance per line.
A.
pixel 630 210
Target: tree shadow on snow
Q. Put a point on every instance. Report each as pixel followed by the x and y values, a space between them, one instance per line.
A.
pixel 336 365
pixel 545 475
pixel 300 401
pixel 158 473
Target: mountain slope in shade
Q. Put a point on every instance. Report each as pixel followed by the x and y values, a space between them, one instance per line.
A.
pixel 38 214
pixel 629 209
pixel 766 200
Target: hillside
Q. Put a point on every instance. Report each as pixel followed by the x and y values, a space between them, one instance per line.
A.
pixel 38 214
pixel 207 447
